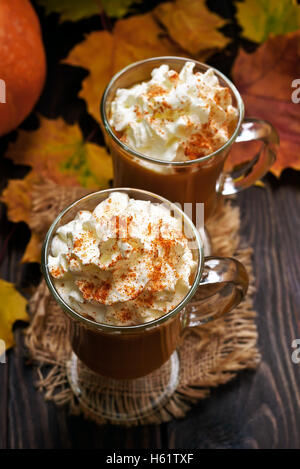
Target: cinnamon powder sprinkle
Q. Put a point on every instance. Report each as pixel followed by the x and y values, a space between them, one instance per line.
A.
pixel 155 90
pixel 91 291
pixel 197 146
pixel 79 242
pixel 57 272
pixel 125 316
pixel 173 76
pixel 161 251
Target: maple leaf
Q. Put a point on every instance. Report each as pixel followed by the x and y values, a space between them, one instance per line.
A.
pixel 104 53
pixel 12 308
pixel 30 200
pixel 264 79
pixel 261 18
pixel 57 151
pixel 71 10
pixel 140 37
pixel 192 25
pixel 17 197
pixel 118 8
pixel 33 249
pixel 74 10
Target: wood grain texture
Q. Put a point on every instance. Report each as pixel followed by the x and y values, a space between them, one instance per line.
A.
pixel 258 409
pixel 35 423
pixel 261 409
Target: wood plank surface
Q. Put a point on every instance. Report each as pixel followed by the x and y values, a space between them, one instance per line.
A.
pixel 258 409
pixel 261 409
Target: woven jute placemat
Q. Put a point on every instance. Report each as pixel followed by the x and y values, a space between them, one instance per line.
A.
pixel 210 355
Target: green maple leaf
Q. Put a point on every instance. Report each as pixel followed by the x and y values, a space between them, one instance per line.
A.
pixel 74 10
pixel 118 8
pixel 262 18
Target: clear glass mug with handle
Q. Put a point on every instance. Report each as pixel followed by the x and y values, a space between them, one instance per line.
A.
pixel 137 357
pixel 201 180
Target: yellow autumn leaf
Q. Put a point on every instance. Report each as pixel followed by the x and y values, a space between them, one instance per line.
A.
pixel 17 197
pixel 177 29
pixel 192 26
pixel 12 308
pixel 262 18
pixel 96 154
pixel 103 54
pixel 58 152
pixel 260 184
pixel 33 249
pixel 55 151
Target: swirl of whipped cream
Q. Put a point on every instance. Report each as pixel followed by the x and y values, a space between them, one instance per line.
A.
pixel 174 116
pixel 125 263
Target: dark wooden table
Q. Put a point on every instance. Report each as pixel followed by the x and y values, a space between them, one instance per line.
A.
pixel 258 409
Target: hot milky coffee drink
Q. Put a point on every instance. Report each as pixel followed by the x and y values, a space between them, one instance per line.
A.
pixel 170 125
pixel 126 263
pixel 174 116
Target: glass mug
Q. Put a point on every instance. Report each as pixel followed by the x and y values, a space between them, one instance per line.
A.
pixel 195 181
pixel 128 353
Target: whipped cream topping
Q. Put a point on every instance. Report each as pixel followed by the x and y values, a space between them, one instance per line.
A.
pixel 125 263
pixel 174 116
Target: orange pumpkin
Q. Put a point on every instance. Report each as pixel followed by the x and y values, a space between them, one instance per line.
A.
pixel 22 62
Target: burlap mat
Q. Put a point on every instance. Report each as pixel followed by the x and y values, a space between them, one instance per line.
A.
pixel 210 355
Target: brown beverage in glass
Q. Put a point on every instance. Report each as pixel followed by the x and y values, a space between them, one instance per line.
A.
pixel 200 180
pixel 126 352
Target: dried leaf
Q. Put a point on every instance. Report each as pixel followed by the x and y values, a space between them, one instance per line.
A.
pixel 33 249
pixel 191 25
pixel 260 184
pixel 57 151
pixel 17 197
pixel 118 8
pixel 74 10
pixel 12 308
pixel 264 79
pixel 71 10
pixel 104 53
pixel 262 18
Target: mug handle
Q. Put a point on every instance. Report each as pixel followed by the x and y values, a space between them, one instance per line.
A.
pixel 251 171
pixel 222 287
